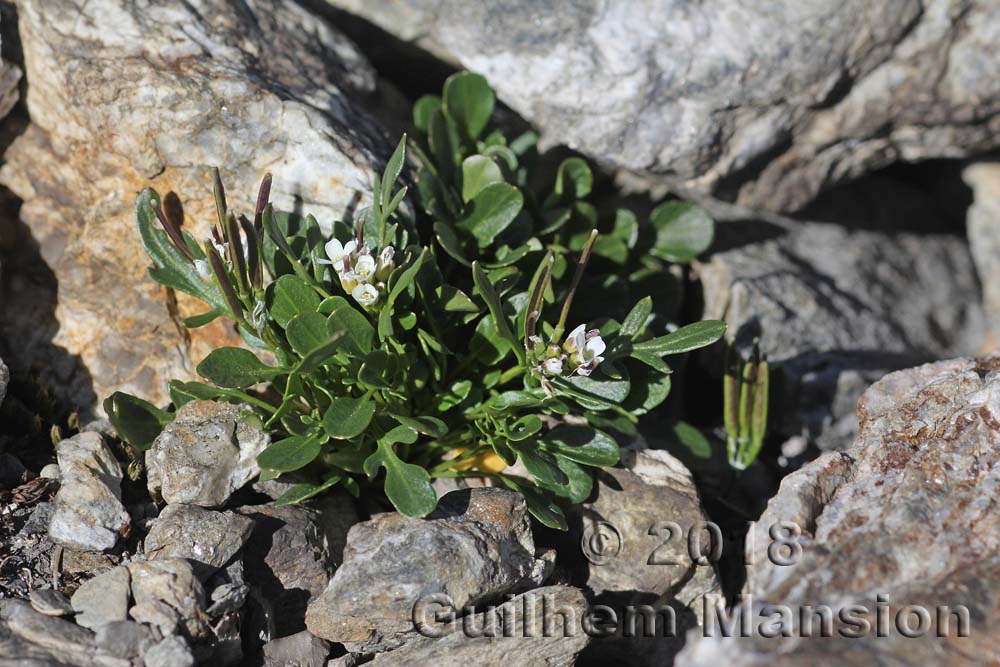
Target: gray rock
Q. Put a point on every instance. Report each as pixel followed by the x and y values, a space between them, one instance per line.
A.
pixel 4 380
pixel 208 452
pixel 835 310
pixel 208 539
pixel 28 638
pixel 540 628
pixel 88 515
pixel 475 547
pixel 171 652
pixel 49 602
pixel 103 599
pixel 300 649
pixel 764 106
pixel 172 583
pixel 906 513
pixel 293 552
pixel 637 537
pixel 51 471
pixel 125 96
pixel 983 229
pixel 126 639
pixel 157 614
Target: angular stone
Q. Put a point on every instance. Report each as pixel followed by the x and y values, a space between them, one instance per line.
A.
pixel 907 513
pixel 103 599
pixel 171 582
pixel 208 539
pixel 171 652
pixel 89 514
pixel 208 452
pixel 30 638
pixel 49 602
pixel 764 108
pixel 301 649
pixel 546 629
pixel 475 547
pixel 124 96
pixel 831 323
pixel 125 639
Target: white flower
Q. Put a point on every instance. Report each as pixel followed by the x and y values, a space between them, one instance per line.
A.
pixel 257 318
pixel 203 269
pixel 553 366
pixel 365 294
pixel 336 251
pixel 576 339
pixel 364 267
pixel 221 248
pixel 585 349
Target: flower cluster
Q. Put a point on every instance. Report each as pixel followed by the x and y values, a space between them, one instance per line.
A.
pixel 579 355
pixel 361 274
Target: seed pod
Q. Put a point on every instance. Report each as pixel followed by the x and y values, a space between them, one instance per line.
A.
pixel 173 233
pixel 222 277
pixel 220 196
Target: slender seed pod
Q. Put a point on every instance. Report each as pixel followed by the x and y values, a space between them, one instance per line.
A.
pixel 535 301
pixel 222 276
pixel 263 196
pixel 173 233
pixel 220 196
pixel 236 253
pixel 254 266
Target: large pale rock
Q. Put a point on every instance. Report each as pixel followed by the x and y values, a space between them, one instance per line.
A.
pixel 908 513
pixel 763 104
pixel 983 228
pixel 836 309
pixel 88 514
pixel 208 452
pixel 170 583
pixel 208 539
pixel 475 547
pixel 126 95
pixel 648 542
pixel 544 627
pixel 103 599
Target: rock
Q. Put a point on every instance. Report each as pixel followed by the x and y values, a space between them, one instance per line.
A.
pixel 124 96
pixel 125 639
pixel 475 547
pixel 648 542
pixel 51 471
pixel 831 323
pixel 49 602
pixel 208 452
pixel 157 614
pixel 292 553
pixel 170 581
pixel 546 630
pixel 208 539
pixel 300 649
pixel 171 652
pixel 228 589
pixel 28 638
pixel 4 379
pixel 103 599
pixel 983 229
pixel 89 514
pixel 904 518
pixel 764 108
pixel 12 472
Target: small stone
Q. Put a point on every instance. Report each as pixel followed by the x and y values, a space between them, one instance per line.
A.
pixel 50 471
pixel 157 614
pixel 208 452
pixel 49 602
pixel 126 639
pixel 171 581
pixel 103 599
pixel 206 538
pixel 477 545
pixel 88 514
pixel 300 649
pixel 171 652
pixel 30 638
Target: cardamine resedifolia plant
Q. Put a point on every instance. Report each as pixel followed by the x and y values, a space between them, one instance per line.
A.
pixel 460 351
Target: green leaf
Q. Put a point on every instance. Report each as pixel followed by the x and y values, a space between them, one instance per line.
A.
pixel 691 438
pixel 289 296
pixel 579 484
pixel 332 303
pixel 540 505
pixel 492 300
pixel 574 179
pixel 447 239
pixel 136 421
pixel 524 428
pixel 683 231
pixel 304 491
pixel 359 334
pixel 454 300
pixel 306 332
pixel 196 321
pixel 319 354
pixel 594 393
pixel 477 172
pixel 235 368
pixel 290 454
pixel 423 109
pixel 183 392
pixel 431 426
pixel 582 444
pixel 685 339
pixel 651 360
pixel 348 417
pixel 491 211
pixel 407 486
pixel 636 318
pixel 393 168
pixel 374 371
pixel 469 101
pixel 385 328
pixel 540 464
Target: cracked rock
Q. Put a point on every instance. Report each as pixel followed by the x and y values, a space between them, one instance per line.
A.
pixel 206 538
